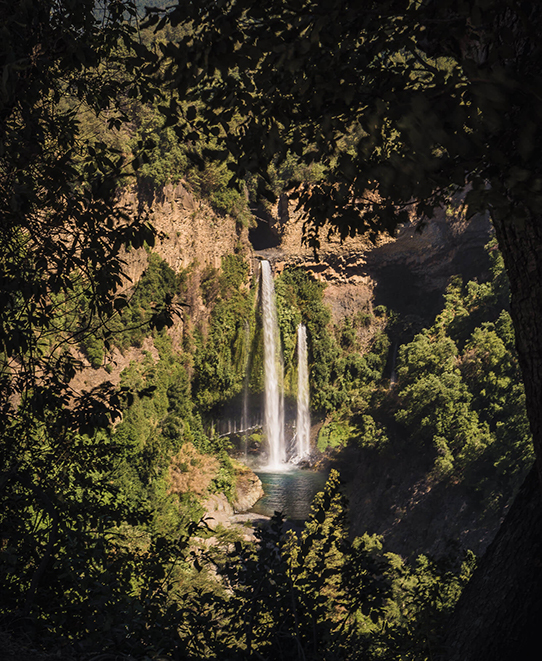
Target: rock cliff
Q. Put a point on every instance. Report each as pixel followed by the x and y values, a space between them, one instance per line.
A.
pixel 189 235
pixel 188 230
pixel 407 273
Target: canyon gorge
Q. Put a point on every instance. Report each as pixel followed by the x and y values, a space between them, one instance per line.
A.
pixel 390 494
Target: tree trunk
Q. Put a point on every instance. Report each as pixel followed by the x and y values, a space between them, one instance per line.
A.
pixel 520 241
pixel 499 615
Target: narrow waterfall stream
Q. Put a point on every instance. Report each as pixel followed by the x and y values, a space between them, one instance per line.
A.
pixel 245 387
pixel 274 405
pixel 303 425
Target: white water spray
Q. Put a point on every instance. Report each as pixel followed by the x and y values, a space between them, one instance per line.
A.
pixel 245 387
pixel 303 425
pixel 274 407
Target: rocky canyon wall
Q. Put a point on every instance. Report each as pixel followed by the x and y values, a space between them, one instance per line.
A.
pixel 407 273
pixel 188 231
pixel 189 235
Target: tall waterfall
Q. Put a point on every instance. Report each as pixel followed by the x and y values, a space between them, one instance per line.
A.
pixel 274 406
pixel 303 426
pixel 245 386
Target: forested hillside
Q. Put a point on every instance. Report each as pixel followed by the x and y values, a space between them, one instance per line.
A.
pixel 131 320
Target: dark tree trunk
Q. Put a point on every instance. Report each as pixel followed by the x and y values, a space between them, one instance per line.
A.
pixel 520 241
pixel 499 615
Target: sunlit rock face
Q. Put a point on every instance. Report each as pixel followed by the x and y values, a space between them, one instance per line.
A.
pixel 407 273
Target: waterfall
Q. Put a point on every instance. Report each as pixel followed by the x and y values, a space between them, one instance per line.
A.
pixel 274 406
pixel 303 426
pixel 245 387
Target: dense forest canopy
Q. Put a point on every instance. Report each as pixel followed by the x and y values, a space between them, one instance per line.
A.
pixel 369 117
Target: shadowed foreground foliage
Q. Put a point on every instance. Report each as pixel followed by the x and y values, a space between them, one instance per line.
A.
pixel 311 595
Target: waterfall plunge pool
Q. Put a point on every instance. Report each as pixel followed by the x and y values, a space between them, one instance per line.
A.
pixel 289 491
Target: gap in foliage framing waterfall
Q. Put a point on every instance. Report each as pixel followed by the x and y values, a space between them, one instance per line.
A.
pixel 270 429
pixel 287 488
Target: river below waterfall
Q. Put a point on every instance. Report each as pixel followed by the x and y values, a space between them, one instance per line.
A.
pixel 290 492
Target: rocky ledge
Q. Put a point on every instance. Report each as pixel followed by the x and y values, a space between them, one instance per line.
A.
pixel 248 490
pixel 219 513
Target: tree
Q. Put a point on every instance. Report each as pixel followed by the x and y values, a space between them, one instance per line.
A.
pixel 62 236
pixel 62 240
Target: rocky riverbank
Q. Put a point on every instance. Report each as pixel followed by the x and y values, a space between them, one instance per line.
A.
pixel 220 512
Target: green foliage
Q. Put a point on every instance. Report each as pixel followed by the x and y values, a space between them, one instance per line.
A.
pixel 62 236
pixel 165 159
pixel 340 375
pixel 150 306
pixel 158 289
pixel 162 157
pixel 334 434
pixel 300 300
pixel 467 306
pixel 222 357
pixel 212 183
pixel 63 570
pixel 313 595
pixel 469 403
pixel 426 356
pixel 437 407
pixel 94 349
pixel 62 565
pixel 347 334
pixel 491 370
pixel 293 170
pixel 371 433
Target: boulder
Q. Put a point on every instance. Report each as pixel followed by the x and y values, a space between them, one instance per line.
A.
pixel 218 511
pixel 248 490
